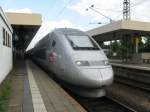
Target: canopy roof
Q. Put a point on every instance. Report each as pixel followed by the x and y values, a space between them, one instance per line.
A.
pixel 116 29
pixel 24 18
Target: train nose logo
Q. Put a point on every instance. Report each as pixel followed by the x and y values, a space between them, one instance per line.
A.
pixel 52 57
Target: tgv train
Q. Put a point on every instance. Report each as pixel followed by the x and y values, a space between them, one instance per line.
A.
pixel 76 59
pixel 5 46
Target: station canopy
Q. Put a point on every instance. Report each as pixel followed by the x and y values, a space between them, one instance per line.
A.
pixel 25 26
pixel 116 30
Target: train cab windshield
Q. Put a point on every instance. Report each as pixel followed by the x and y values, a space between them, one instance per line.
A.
pixel 82 43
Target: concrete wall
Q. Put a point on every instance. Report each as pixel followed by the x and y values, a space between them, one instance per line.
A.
pixel 141 58
pixel 145 55
pixel 145 58
pixel 5 52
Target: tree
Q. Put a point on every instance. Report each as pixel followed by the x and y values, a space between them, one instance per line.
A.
pixel 115 46
pixel 146 46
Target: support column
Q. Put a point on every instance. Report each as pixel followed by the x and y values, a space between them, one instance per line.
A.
pixel 135 41
pixel 126 47
pixel 137 45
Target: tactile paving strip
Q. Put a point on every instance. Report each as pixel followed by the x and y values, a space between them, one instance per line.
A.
pixel 38 103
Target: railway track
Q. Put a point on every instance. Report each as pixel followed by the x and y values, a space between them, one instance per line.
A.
pixel 133 83
pixel 104 104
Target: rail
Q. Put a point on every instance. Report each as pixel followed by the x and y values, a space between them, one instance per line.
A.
pixel 104 104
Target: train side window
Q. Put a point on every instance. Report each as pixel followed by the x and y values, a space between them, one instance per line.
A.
pixel 9 41
pixel 53 43
pixel 3 36
pixel 6 39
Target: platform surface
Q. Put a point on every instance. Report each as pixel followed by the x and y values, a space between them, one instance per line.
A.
pixel 20 98
pixel 34 91
pixel 119 63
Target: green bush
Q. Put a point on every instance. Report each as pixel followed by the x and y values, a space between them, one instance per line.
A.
pixel 5 91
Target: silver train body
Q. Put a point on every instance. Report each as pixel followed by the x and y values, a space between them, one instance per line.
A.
pixel 75 58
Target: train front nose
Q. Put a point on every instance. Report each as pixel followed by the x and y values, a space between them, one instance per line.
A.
pixel 107 76
pixel 96 78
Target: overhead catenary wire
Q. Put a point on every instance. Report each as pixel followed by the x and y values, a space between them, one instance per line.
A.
pixel 92 8
pixel 138 3
pixel 62 10
pixel 109 10
pixel 132 5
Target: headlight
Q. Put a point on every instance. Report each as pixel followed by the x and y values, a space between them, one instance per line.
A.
pixel 106 63
pixel 82 63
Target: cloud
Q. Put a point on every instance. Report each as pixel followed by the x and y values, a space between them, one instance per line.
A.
pixel 47 27
pixel 25 10
pixel 112 9
pixel 141 12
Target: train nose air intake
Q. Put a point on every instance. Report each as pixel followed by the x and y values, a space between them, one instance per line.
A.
pixel 106 76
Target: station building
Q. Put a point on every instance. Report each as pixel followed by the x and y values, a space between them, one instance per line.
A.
pixel 130 32
pixel 25 26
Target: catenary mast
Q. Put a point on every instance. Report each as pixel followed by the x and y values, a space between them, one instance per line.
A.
pixel 126 10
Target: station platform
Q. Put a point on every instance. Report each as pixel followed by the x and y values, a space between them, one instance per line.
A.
pixel 131 85
pixel 119 63
pixel 34 91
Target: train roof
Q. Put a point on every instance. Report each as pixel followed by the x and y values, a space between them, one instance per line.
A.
pixel 69 31
pixel 45 29
pixel 5 19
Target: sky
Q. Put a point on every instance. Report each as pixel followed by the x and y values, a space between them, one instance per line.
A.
pixel 73 13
